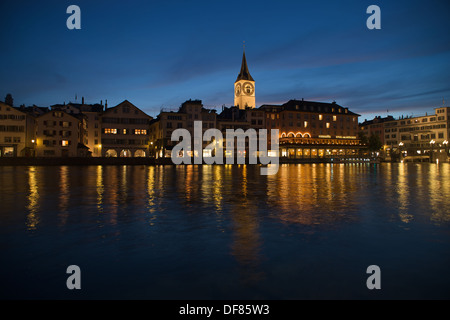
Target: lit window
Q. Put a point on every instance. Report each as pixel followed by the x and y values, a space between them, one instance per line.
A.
pixel 320 117
pixel 64 143
pixel 334 118
pixel 305 124
pixel 140 131
pixel 328 125
pixel 110 131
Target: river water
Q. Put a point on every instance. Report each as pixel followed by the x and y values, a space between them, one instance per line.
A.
pixel 226 231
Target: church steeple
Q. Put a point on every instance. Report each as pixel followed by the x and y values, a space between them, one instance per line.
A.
pixel 244 87
pixel 244 74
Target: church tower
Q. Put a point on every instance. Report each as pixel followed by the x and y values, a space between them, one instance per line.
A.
pixel 244 88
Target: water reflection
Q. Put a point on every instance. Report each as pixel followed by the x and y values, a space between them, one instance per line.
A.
pixel 151 201
pixel 314 194
pixel 33 199
pixel 403 194
pixel 100 189
pixel 305 194
pixel 246 245
pixel 416 192
pixel 232 200
pixel 64 194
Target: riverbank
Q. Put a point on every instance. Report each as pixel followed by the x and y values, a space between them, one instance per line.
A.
pixel 24 161
pixel 111 161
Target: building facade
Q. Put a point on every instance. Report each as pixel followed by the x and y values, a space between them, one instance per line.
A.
pixel 124 131
pixel 92 125
pixel 59 134
pixel 414 138
pixel 17 132
pixel 375 127
pixel 167 121
pixel 309 129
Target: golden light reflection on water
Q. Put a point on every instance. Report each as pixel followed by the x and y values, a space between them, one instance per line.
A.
pixel 310 195
pixel 151 189
pixel 313 194
pixel 236 201
pixel 64 194
pixel 403 194
pixel 111 195
pixel 217 187
pixel 100 189
pixel 439 193
pixel 417 191
pixel 33 199
pixel 206 188
pixel 246 245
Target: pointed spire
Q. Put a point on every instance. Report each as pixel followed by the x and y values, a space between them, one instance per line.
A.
pixel 244 74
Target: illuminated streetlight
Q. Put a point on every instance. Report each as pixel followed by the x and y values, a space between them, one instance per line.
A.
pixel 432 142
pixel 400 145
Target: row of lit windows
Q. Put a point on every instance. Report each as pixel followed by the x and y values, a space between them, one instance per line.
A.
pixel 307 117
pixel 422 136
pixel 124 131
pixel 63 143
pixel 302 153
pixel 307 124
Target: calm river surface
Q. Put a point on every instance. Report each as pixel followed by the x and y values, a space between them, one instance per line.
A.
pixel 225 232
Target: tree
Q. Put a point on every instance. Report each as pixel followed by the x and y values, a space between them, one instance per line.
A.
pixel 375 143
pixel 9 99
pixel 363 138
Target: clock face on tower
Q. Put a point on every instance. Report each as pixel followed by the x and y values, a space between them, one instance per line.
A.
pixel 237 90
pixel 248 88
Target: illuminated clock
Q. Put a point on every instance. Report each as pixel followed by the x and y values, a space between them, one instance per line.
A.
pixel 248 88
pixel 238 89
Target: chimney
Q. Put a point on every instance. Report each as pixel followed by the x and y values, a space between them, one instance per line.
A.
pixel 106 104
pixel 82 100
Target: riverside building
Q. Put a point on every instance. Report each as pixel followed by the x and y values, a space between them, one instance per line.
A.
pixel 310 129
pixel 167 121
pixel 421 138
pixel 125 131
pixel 17 132
pixel 60 134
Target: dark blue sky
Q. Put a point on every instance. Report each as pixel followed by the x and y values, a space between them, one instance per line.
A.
pixel 161 53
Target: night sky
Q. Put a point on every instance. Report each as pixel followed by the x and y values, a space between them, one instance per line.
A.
pixel 157 54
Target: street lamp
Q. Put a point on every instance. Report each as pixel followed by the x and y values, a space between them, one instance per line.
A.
pixel 432 142
pixel 445 143
pixel 400 145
